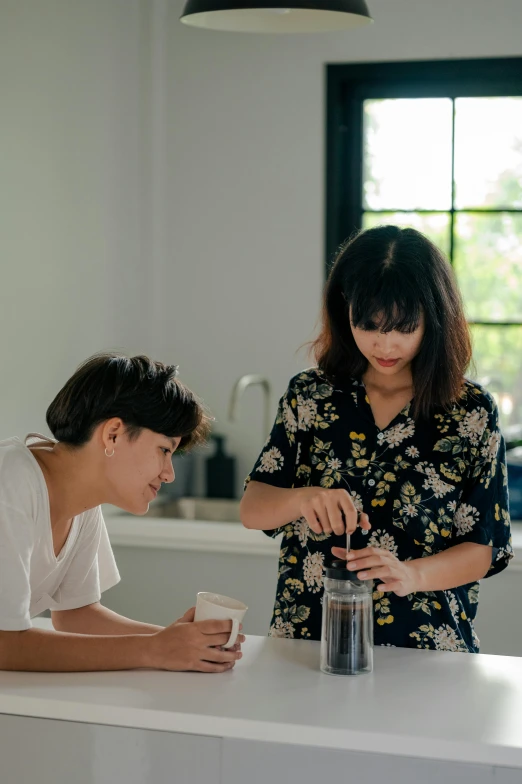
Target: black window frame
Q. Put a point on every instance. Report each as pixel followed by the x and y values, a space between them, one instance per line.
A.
pixel 349 85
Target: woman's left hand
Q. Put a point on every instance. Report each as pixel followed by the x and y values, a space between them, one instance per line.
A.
pixel 372 563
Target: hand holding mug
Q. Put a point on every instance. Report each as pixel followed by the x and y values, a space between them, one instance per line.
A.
pixel 189 646
pixel 217 607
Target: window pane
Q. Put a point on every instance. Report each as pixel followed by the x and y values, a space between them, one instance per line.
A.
pixel 488 264
pixel 407 154
pixel 488 152
pixel 497 352
pixel 436 226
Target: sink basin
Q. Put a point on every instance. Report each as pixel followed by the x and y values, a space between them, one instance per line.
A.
pixel 218 510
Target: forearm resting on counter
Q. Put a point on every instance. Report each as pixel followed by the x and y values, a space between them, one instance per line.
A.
pixel 97 619
pixel 39 650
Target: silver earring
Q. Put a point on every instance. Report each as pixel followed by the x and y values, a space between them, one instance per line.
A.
pixel 109 455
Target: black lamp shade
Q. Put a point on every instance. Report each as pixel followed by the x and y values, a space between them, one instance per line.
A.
pixel 269 16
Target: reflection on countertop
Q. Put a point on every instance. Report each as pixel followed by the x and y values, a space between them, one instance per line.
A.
pixel 222 510
pixel 219 510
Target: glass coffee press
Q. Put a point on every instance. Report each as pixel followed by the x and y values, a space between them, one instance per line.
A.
pixel 347 626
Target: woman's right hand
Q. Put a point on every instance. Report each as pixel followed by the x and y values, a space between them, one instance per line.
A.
pixel 331 511
pixel 194 646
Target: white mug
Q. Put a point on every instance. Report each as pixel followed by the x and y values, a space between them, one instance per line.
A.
pixel 213 606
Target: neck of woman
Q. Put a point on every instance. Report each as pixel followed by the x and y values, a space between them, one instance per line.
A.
pixel 71 481
pixel 387 385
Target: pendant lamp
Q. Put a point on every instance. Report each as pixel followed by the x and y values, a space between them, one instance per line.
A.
pixel 266 16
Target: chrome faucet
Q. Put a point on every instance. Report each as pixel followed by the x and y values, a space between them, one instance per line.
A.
pixel 239 387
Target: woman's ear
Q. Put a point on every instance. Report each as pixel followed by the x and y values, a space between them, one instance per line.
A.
pixel 112 430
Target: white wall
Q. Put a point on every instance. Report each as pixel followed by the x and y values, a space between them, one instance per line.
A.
pixel 162 188
pixel 245 163
pixel 74 140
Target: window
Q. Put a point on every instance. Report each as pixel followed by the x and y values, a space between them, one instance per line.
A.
pixel 438 146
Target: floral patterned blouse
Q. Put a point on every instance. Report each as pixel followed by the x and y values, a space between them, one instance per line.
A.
pixel 425 484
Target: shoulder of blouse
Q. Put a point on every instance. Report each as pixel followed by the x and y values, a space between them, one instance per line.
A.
pixel 474 396
pixel 302 381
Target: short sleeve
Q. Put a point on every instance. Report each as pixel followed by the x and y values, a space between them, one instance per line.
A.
pixel 17 534
pixel 482 515
pixel 278 463
pixel 92 569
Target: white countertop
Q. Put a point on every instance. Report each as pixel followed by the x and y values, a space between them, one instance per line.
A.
pixel 448 706
pixel 193 535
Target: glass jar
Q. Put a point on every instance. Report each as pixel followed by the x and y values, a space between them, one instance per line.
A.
pixel 347 629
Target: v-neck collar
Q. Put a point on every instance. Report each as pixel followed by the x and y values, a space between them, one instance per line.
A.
pixel 403 413
pixel 71 536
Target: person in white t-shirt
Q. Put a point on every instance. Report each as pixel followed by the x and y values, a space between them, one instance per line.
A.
pixel 116 424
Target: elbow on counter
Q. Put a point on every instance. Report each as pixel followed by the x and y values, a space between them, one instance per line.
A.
pixel 8 649
pixel 246 513
pixel 3 657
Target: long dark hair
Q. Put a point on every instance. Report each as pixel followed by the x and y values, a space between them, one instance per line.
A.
pixel 398 274
pixel 143 393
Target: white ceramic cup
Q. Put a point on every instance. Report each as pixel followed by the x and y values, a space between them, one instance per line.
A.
pixel 213 606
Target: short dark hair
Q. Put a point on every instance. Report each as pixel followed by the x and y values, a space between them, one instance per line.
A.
pixel 143 393
pixel 399 274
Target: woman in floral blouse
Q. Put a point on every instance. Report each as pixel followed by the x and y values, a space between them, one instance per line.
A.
pixel 387 440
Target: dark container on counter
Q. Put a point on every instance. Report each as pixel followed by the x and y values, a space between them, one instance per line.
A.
pixel 220 471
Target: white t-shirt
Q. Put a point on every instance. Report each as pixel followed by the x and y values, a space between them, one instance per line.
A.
pixel 32 578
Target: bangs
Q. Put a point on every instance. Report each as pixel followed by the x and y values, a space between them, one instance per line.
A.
pixel 171 409
pixel 389 305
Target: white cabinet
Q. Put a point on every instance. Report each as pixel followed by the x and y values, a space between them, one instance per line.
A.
pixel 159 585
pixel 259 763
pixel 499 620
pixel 60 752
pixel 65 752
